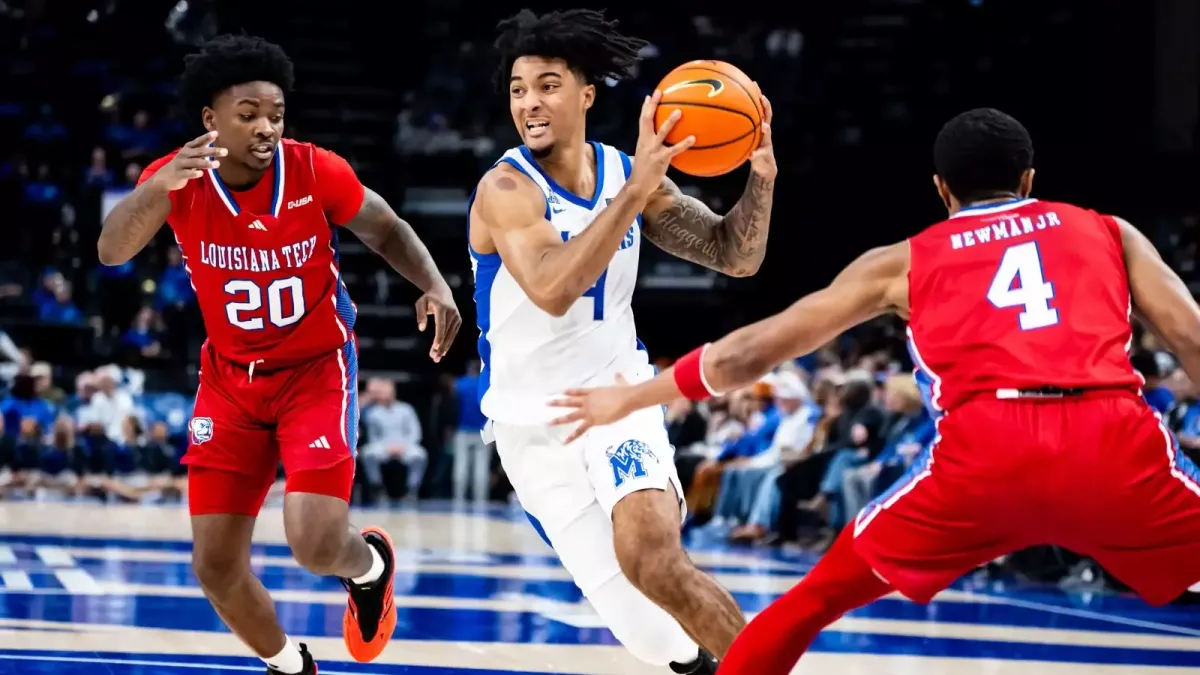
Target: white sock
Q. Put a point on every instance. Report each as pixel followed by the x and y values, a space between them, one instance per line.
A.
pixel 288 660
pixel 376 570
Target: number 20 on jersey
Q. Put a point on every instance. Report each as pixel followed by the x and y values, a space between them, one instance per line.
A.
pixel 284 301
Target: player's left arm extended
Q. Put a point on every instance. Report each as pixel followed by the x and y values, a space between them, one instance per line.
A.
pixel 733 244
pixel 389 235
pixel 874 284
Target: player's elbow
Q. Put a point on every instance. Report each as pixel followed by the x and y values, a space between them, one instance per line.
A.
pixel 110 254
pixel 552 295
pixel 743 268
pixel 553 303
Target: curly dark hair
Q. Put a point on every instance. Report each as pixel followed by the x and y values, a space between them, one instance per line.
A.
pixel 982 153
pixel 589 43
pixel 229 60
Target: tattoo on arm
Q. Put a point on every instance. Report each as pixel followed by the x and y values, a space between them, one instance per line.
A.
pixel 132 223
pixel 734 244
pixel 393 238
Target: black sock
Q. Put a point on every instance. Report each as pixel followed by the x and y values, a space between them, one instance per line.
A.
pixel 695 666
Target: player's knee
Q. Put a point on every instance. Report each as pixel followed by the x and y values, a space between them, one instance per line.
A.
pixel 317 527
pixel 318 554
pixel 648 632
pixel 217 568
pixel 221 550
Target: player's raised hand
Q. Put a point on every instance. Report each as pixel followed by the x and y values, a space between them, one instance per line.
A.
pixel 653 155
pixel 762 160
pixel 594 407
pixel 192 160
pixel 439 303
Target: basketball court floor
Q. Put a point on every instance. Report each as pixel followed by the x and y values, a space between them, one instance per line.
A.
pixel 90 589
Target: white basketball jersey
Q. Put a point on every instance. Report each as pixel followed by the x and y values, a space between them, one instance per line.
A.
pixel 529 356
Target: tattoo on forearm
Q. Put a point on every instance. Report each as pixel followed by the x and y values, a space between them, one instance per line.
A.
pixel 734 244
pixel 687 230
pixel 134 221
pixel 746 225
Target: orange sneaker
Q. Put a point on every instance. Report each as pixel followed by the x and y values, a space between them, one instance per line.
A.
pixel 370 615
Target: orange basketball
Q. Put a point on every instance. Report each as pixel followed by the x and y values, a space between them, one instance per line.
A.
pixel 721 107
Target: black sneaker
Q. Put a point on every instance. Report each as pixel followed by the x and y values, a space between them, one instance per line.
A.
pixel 310 666
pixel 705 664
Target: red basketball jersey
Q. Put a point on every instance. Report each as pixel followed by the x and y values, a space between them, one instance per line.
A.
pixel 264 261
pixel 1016 296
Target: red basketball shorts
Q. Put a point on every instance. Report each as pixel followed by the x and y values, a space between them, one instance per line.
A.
pixel 246 421
pixel 1097 474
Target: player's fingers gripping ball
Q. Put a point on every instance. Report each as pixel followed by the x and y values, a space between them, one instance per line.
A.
pixel 721 107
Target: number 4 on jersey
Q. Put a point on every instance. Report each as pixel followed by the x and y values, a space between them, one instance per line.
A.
pixel 1020 283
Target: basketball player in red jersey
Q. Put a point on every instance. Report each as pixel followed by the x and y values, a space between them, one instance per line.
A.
pixel 256 217
pixel 1019 323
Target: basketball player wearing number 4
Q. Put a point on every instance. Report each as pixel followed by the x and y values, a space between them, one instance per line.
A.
pixel 1019 325
pixel 257 218
pixel 555 229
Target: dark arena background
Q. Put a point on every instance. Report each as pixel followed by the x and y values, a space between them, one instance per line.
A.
pixel 98 365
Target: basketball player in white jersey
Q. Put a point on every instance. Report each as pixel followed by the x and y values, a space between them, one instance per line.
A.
pixel 555 233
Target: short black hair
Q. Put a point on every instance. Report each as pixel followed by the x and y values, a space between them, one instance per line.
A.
pixel 589 43
pixel 229 60
pixel 982 153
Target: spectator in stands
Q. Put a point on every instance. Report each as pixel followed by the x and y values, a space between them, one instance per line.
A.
pixel 441 427
pixel 43 384
pixel 142 338
pixel 27 454
pixel 135 140
pixel 160 461
pixel 125 462
pixel 793 441
pixel 22 402
pixel 1186 420
pixel 7 458
pixel 744 417
pixel 61 308
pixel 44 293
pixel 785 426
pixel 908 432
pixel 45 130
pixel 108 406
pixel 98 175
pixel 861 435
pixel 58 460
pixel 175 285
pixel 43 190
pixel 393 438
pixel 471 455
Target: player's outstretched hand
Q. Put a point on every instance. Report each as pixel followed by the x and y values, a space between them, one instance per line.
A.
pixel 439 303
pixel 191 162
pixel 594 407
pixel 762 160
pixel 653 155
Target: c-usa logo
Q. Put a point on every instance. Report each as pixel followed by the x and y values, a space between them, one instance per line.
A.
pixel 202 429
pixel 628 461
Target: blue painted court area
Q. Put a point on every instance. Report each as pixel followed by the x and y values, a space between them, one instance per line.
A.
pixel 74 601
pixel 115 663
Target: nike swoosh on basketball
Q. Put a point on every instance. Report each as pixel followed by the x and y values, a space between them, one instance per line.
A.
pixel 717 86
